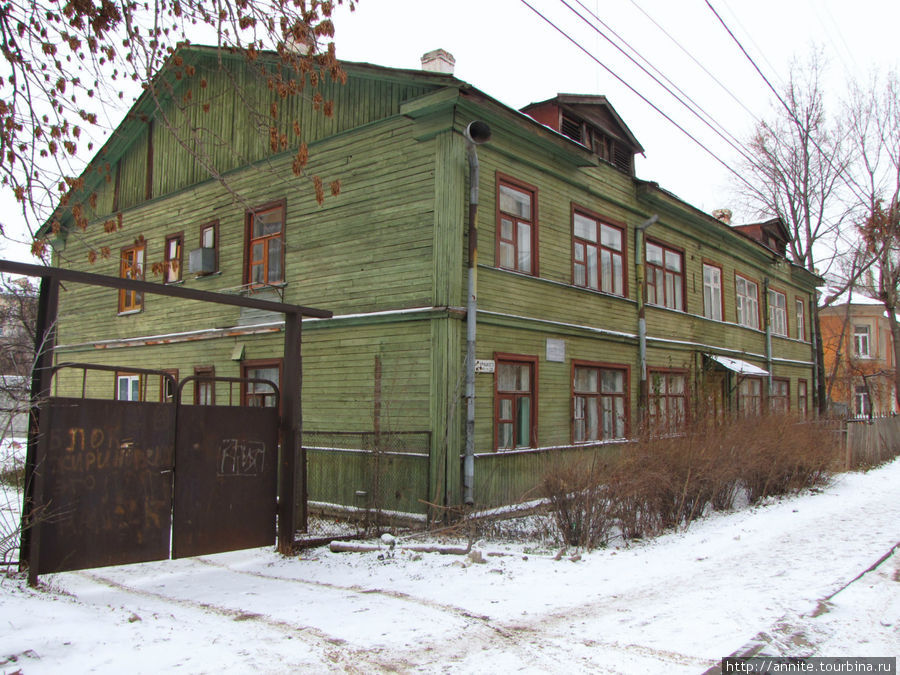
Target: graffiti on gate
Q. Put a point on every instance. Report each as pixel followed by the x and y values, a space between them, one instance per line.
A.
pixel 239 457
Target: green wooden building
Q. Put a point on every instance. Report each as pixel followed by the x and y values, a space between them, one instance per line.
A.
pixel 586 323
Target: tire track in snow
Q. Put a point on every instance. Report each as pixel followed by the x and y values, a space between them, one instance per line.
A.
pixel 521 634
pixel 353 659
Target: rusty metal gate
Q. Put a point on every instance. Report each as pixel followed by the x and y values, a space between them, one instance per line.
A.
pixel 118 482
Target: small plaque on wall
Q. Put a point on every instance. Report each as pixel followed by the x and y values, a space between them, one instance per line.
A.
pixel 556 350
pixel 484 366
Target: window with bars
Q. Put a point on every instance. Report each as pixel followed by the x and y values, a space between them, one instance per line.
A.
pixel 746 298
pixel 665 276
pixel 514 410
pixel 265 245
pixel 516 227
pixel 598 254
pixel 598 403
pixel 131 266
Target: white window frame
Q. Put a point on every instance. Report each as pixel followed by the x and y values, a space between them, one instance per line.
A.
pixel 712 292
pixel 800 310
pixel 132 382
pixel 862 404
pixel 862 341
pixel 746 302
pixel 778 313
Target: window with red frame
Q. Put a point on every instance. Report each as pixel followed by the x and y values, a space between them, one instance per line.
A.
pixel 260 394
pixel 667 405
pixel 514 404
pixel 780 398
pixel 131 266
pixel 265 246
pixel 598 254
pixel 516 227
pixel 598 403
pixel 205 385
pixel 802 398
pixel 665 276
pixel 750 396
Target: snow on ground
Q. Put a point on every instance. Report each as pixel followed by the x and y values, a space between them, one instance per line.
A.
pixel 675 604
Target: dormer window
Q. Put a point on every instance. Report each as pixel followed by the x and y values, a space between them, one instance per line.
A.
pixel 592 122
pixel 572 127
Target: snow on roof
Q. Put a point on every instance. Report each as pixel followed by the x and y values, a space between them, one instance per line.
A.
pixel 835 296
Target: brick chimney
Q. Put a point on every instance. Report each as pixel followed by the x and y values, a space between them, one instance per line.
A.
pixel 438 61
pixel 722 214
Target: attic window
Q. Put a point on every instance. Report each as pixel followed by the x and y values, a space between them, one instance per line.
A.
pixel 571 127
pixel 622 157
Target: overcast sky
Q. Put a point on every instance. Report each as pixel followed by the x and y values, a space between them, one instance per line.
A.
pixel 508 51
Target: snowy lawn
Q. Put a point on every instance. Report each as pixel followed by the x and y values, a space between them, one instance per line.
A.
pixel 675 604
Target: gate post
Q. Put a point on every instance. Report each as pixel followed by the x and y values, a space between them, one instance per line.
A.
pixel 44 344
pixel 292 481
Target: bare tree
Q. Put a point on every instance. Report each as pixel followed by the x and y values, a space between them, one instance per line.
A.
pixel 873 115
pixel 795 172
pixel 66 65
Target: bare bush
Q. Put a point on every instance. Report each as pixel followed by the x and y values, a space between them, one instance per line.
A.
pixel 578 493
pixel 665 482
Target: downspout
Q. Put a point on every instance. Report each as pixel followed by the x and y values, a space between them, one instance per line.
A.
pixel 476 133
pixel 643 390
pixel 767 319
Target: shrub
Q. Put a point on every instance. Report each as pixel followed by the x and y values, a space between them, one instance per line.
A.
pixel 662 482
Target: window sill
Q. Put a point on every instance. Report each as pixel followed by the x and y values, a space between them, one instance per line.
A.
pixel 130 312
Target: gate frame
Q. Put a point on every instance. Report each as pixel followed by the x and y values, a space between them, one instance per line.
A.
pixel 293 458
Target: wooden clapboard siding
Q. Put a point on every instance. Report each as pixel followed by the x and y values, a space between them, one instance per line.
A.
pixel 351 255
pixel 388 256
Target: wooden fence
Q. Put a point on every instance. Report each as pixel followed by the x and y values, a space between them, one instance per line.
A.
pixel 871 442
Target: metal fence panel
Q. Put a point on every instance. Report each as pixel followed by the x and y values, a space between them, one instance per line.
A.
pixel 384 472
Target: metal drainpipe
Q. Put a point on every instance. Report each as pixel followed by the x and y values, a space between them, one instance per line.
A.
pixel 476 133
pixel 642 323
pixel 768 333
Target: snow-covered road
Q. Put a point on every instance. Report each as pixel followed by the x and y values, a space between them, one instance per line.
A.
pixel 676 604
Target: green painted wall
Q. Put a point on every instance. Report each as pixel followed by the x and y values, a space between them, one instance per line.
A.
pixel 388 257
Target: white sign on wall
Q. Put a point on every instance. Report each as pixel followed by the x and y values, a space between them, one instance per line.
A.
pixel 556 350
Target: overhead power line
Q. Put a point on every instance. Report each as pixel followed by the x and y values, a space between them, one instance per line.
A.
pixel 638 94
pixel 692 106
pixel 696 61
pixel 790 111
